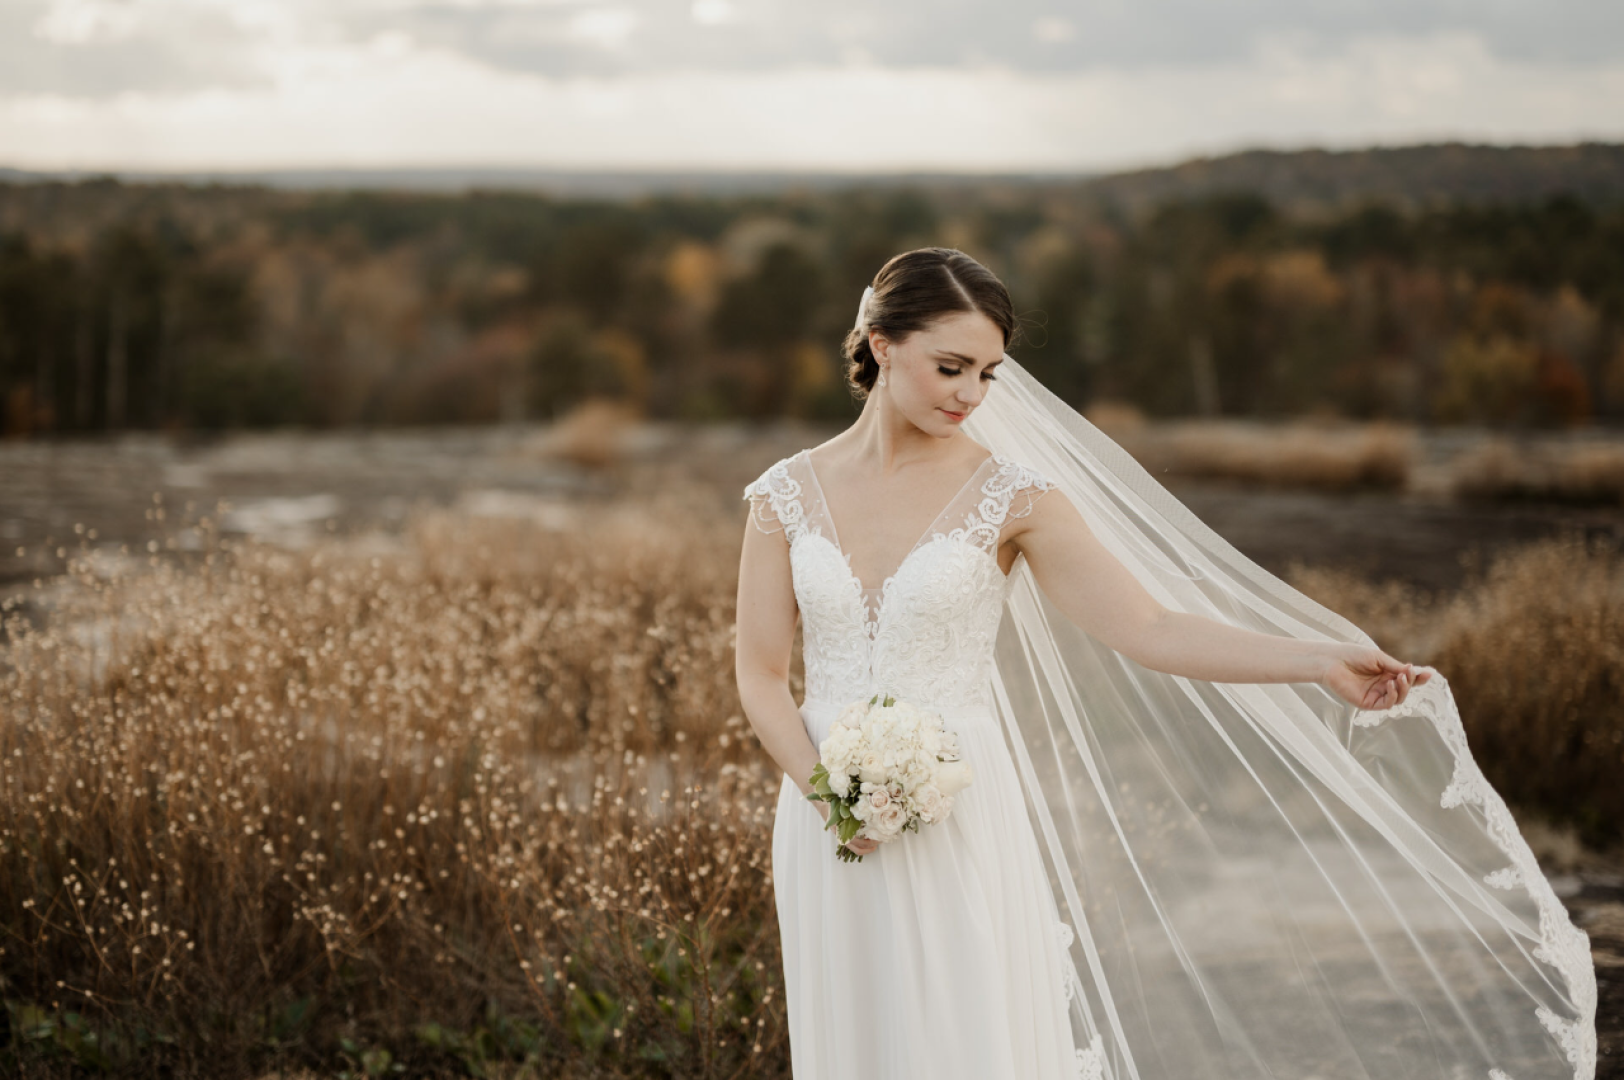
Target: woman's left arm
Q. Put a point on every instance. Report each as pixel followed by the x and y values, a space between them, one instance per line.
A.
pixel 1092 587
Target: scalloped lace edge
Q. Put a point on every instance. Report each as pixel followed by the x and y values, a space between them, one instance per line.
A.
pixel 1562 944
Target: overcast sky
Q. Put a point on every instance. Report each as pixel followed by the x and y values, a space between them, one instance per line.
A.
pixel 877 85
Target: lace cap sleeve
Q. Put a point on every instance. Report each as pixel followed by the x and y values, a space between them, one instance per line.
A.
pixel 766 495
pixel 1027 485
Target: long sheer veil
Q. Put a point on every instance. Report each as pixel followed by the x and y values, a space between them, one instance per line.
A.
pixel 1262 880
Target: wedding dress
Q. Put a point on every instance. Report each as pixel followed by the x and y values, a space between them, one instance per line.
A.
pixel 1149 876
pixel 939 955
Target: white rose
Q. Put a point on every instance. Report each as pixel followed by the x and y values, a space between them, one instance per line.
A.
pixel 952 776
pixel 929 802
pixel 872 767
pixel 879 797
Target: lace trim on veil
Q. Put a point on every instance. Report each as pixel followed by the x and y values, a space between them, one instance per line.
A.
pixel 1562 944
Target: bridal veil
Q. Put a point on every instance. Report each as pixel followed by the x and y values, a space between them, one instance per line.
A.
pixel 1261 880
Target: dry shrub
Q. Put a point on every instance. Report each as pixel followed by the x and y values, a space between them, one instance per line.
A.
pixel 485 801
pixel 1300 454
pixel 1534 652
pixel 593 434
pixel 1502 469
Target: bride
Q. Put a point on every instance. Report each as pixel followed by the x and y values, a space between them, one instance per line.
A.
pixel 1212 830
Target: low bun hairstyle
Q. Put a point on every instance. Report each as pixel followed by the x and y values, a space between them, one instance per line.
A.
pixel 913 290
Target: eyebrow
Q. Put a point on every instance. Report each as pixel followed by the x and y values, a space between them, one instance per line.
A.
pixel 969 360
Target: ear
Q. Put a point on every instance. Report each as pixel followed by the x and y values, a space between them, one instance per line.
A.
pixel 879 344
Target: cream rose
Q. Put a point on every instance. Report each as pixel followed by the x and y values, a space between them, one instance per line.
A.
pixel 930 802
pixel 891 817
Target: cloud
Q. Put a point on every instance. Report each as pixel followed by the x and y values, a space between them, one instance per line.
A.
pixel 97 48
pixel 103 47
pixel 1022 35
pixel 722 83
pixel 396 102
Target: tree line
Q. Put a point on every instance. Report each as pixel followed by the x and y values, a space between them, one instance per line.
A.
pixel 151 306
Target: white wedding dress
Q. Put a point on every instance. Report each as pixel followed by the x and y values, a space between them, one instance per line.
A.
pixel 941 955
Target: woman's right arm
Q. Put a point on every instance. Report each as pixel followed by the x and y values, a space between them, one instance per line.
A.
pixel 765 636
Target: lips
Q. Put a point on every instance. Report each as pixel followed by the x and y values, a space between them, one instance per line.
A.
pixel 954 415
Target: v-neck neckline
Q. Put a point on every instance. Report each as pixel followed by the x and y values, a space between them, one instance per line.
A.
pixel 828 515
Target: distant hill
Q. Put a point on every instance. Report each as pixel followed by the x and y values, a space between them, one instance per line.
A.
pixel 1297 179
pixel 607 184
pixel 1409 175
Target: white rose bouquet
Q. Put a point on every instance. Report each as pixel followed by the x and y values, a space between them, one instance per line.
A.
pixel 886 767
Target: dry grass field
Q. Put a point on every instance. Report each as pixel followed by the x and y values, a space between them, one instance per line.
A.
pixel 485 803
pixel 476 797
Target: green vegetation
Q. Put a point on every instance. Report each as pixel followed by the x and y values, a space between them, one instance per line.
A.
pixel 163 306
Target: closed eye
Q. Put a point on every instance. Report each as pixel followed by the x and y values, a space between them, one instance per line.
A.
pixel 989 376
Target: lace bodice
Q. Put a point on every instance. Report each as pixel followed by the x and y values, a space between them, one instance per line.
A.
pixel 926 634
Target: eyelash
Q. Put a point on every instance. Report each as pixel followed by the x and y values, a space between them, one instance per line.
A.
pixel 957 371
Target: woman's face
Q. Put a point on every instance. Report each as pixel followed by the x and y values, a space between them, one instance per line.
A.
pixel 939 375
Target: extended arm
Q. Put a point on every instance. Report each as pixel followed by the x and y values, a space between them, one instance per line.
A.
pixel 1092 587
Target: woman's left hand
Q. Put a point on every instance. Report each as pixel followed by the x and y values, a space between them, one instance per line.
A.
pixel 1369 678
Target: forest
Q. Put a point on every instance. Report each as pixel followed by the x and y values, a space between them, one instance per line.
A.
pixel 177 307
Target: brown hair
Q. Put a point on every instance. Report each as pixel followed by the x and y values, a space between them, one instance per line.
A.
pixel 913 290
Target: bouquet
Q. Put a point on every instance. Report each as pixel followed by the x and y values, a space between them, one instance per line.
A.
pixel 884 768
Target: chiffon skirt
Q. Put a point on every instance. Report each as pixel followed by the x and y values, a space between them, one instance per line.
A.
pixel 941 955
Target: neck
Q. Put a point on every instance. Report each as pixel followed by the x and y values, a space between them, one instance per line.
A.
pixel 883 436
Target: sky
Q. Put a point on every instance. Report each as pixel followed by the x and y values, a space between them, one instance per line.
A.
pixel 827 85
